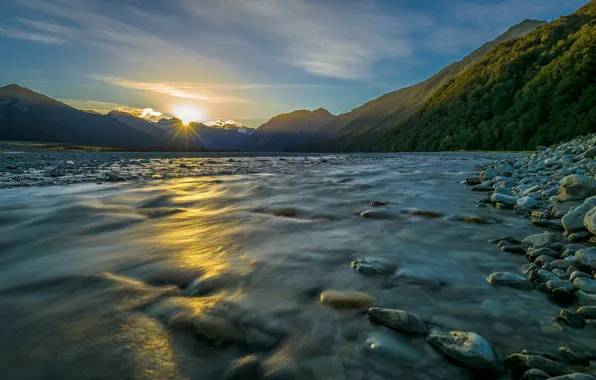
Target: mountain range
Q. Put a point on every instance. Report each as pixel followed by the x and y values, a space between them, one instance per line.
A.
pixel 534 84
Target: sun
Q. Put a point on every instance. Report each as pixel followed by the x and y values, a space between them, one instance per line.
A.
pixel 187 114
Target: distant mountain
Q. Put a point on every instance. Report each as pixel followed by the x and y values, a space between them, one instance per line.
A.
pixel 29 116
pixel 359 129
pixel 139 124
pixel 290 129
pixel 535 90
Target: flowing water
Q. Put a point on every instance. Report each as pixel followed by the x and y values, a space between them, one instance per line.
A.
pixel 85 270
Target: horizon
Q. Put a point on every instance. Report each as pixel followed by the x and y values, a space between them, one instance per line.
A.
pixel 245 61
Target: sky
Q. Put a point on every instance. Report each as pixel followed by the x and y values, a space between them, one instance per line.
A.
pixel 243 60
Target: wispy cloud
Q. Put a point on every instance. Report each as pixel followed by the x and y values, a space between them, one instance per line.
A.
pixel 31 36
pixel 339 39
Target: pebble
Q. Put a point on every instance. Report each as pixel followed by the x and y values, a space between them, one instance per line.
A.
pixel 345 299
pixel 398 320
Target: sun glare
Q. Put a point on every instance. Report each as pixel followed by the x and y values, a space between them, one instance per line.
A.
pixel 187 114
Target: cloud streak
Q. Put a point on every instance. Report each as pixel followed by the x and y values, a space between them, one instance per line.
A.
pixel 31 36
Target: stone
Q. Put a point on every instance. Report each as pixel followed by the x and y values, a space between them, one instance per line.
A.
pixel 502 198
pixel 473 181
pixel 546 276
pixel 398 320
pixel 374 267
pixel 426 214
pixel 570 249
pixel 560 273
pixel 562 296
pixel 489 174
pixel 507 239
pixel 468 348
pixel 574 220
pixel 590 153
pixel 345 299
pixel 540 240
pixel 518 249
pixel 576 187
pixel 587 257
pixel 590 220
pixel 503 190
pixel 557 246
pixel 573 318
pixel 578 274
pixel 543 252
pixel 541 260
pixel 576 354
pixel 509 279
pixel 378 203
pixel 522 363
pixel 563 264
pixel 246 368
pixel 375 214
pixel 585 299
pixel 586 284
pixel 588 312
pixel 574 376
pixel 578 236
pixel 560 284
pixel 527 203
pixel 535 374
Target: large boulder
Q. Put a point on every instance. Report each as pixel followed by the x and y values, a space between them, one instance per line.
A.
pixel 398 320
pixel 540 240
pixel 587 256
pixel 574 220
pixel 468 348
pixel 576 187
pixel 590 220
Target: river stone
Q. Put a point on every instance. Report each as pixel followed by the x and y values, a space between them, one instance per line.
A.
pixel 503 190
pixel 390 348
pixel 345 298
pixel 502 198
pixel 585 299
pixel 374 267
pixel 578 274
pixel 588 312
pixel 527 203
pixel 398 320
pixel 573 318
pixel 586 284
pixel 564 264
pixel 560 284
pixel 521 363
pixel 545 276
pixel 590 153
pixel 473 181
pixel 577 354
pixel 543 252
pixel 579 236
pixel 540 240
pixel 560 273
pixel 375 214
pixel 587 257
pixel 518 249
pixel 507 239
pixel 246 368
pixel 489 174
pixel 540 260
pixel 535 374
pixel 557 246
pixel 590 220
pixel 570 249
pixel 574 376
pixel 576 187
pixel 574 220
pixel 512 280
pixel 467 347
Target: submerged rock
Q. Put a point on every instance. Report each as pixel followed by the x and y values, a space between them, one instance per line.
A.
pixel 468 348
pixel 388 347
pixel 345 299
pixel 375 214
pixel 509 279
pixel 398 320
pixel 573 318
pixel 374 267
pixel 522 363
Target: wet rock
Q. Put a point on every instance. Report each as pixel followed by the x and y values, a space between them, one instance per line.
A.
pixel 527 203
pixel 502 198
pixel 586 284
pixel 573 318
pixel 374 267
pixel 489 174
pixel 375 214
pixel 522 363
pixel 560 284
pixel 517 249
pixel 535 374
pixel 476 220
pixel 587 257
pixel 509 279
pixel 426 214
pixel 560 273
pixel 578 274
pixel 246 368
pixel 466 347
pixel 503 190
pixel 540 240
pixel 398 320
pixel 378 203
pixel 574 220
pixel 587 312
pixel 345 299
pixel 473 181
pixel 557 247
pixel 576 187
pixel 533 254
pixel 585 299
pixel 546 276
pixel 390 348
pixel 563 264
pixel 574 376
pixel 578 236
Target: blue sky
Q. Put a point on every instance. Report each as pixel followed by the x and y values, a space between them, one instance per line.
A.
pixel 243 59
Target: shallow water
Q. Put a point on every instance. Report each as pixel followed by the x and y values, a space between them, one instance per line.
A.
pixel 84 268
